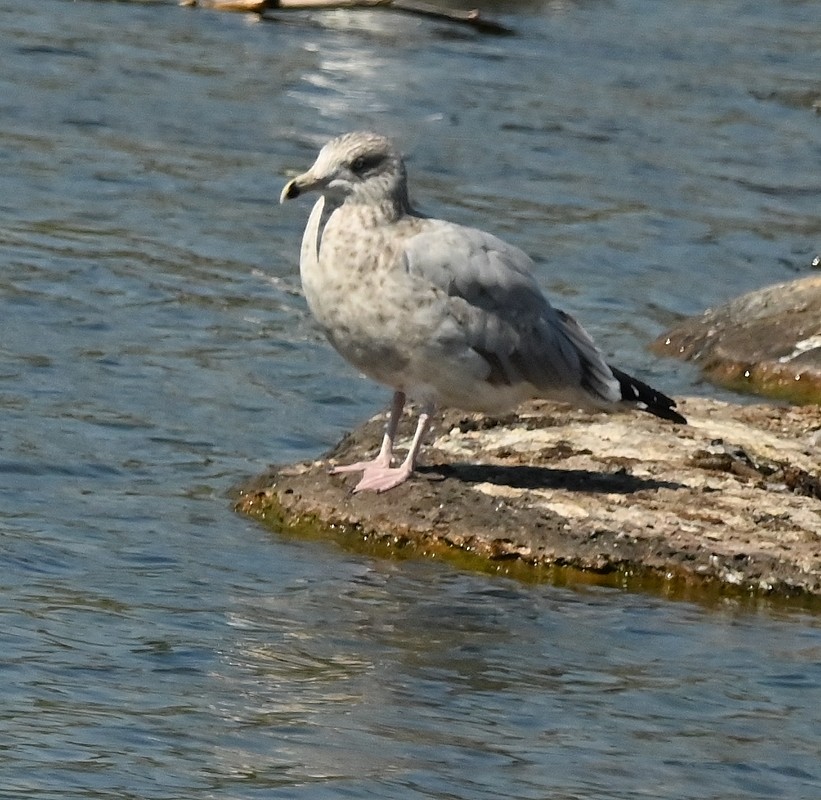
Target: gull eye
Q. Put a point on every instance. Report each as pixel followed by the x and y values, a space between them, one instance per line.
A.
pixel 362 164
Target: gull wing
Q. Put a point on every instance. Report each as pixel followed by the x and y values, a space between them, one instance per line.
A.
pixel 505 318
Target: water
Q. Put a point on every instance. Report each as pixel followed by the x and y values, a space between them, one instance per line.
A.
pixel 154 350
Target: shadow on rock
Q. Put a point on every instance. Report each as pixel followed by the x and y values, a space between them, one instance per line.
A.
pixel 517 476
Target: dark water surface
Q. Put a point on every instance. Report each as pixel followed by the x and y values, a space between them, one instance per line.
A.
pixel 656 158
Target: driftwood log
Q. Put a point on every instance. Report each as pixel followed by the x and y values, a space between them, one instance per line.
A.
pixel 472 18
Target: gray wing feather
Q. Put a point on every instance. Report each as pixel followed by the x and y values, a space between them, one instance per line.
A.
pixel 504 315
pixel 476 266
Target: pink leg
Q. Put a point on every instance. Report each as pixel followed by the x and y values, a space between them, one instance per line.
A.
pixel 383 460
pixel 380 479
pixel 378 475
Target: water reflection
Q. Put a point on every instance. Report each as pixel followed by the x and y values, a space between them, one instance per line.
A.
pixel 491 689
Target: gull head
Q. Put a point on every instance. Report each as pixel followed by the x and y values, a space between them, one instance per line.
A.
pixel 360 167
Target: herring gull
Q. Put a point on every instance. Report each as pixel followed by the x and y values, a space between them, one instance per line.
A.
pixel 442 313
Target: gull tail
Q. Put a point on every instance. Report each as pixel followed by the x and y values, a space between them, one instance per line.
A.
pixel 646 398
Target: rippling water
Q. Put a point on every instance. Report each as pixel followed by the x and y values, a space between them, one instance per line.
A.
pixel 154 349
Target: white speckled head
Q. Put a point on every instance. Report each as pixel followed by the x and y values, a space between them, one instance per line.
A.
pixel 359 167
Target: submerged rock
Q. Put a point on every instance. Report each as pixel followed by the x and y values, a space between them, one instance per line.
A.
pixel 767 342
pixel 733 498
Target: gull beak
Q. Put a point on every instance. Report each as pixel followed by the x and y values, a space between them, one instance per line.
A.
pixel 306 182
pixel 290 191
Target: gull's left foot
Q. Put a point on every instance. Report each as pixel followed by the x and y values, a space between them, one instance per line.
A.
pixel 379 478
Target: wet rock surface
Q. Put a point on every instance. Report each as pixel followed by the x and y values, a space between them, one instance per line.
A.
pixel 733 498
pixel 767 342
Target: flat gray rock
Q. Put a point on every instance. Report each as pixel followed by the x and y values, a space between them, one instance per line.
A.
pixel 729 503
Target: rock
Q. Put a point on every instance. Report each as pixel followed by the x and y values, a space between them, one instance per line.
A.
pixel 731 501
pixel 767 342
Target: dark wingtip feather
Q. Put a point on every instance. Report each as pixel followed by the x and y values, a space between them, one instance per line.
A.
pixel 646 397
